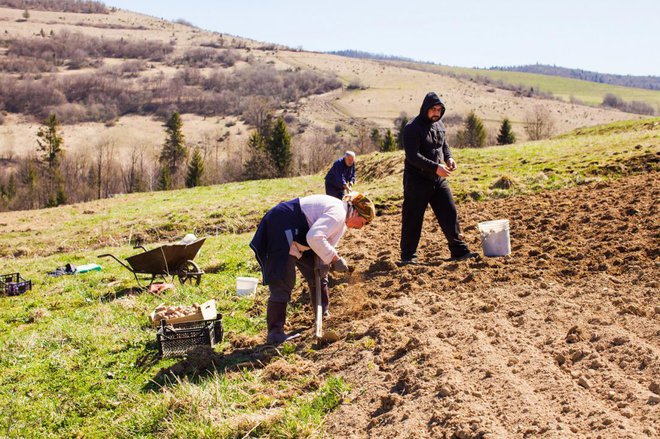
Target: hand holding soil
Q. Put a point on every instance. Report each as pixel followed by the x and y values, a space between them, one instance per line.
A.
pixel 443 170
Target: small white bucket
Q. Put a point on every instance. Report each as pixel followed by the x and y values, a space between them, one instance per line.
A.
pixel 495 239
pixel 246 285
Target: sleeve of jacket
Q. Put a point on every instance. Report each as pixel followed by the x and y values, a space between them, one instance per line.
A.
pixel 324 235
pixel 411 142
pixel 446 152
pixel 334 177
pixel 352 176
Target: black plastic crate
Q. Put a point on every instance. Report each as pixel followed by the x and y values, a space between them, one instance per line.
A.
pixel 176 340
pixel 13 284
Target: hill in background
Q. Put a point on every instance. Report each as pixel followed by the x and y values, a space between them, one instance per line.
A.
pixel 113 77
pixel 649 82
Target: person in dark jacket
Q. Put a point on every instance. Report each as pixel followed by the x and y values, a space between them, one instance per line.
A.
pixel 341 176
pixel 428 162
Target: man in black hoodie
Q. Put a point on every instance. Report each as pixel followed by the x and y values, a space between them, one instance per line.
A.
pixel 428 162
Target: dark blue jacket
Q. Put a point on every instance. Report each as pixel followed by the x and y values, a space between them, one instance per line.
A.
pixel 425 141
pixel 281 225
pixel 340 174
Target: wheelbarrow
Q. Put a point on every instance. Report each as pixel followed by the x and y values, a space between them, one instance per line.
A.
pixel 165 261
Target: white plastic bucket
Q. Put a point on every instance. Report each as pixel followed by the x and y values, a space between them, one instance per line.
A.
pixel 495 240
pixel 246 285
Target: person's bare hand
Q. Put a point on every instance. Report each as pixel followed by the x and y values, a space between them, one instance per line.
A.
pixel 443 171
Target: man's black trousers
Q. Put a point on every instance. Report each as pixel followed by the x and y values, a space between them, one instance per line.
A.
pixel 418 193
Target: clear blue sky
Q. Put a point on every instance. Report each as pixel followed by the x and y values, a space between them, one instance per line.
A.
pixel 607 36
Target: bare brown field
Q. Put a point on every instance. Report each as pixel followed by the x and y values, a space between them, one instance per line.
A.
pixel 559 339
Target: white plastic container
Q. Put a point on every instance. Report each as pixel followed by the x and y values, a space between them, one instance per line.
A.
pixel 495 240
pixel 246 285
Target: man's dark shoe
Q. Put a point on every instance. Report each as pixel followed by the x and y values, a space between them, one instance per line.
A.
pixel 411 261
pixel 468 255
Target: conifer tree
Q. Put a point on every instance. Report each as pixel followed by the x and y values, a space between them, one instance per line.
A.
pixel 11 187
pixel 401 123
pixel 506 136
pixel 174 151
pixel 164 179
pixel 474 133
pixel 260 164
pixel 389 142
pixel 279 147
pixel 195 169
pixel 376 138
pixel 50 143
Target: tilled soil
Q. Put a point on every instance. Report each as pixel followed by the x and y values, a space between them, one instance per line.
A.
pixel 559 339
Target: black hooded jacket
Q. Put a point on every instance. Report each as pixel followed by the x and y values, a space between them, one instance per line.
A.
pixel 425 141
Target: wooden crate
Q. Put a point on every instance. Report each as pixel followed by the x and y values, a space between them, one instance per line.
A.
pixel 207 311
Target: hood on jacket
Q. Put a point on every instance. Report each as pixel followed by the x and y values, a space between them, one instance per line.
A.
pixel 430 100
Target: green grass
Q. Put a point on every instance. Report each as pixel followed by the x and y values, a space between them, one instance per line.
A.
pixel 78 354
pixel 78 357
pixel 590 93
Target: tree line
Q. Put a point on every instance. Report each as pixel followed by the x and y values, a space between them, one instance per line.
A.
pixel 49 177
pixel 80 6
pixel 538 124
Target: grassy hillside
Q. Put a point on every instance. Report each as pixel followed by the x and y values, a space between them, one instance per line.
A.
pixel 79 357
pixel 197 73
pixel 591 93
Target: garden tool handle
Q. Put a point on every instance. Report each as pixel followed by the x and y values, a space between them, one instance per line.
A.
pixel 319 305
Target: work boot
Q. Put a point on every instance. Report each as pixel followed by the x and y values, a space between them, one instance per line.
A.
pixel 275 320
pixel 464 256
pixel 408 261
pixel 325 299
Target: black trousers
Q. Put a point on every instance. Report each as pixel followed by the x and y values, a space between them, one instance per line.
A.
pixel 418 193
pixel 280 290
pixel 334 191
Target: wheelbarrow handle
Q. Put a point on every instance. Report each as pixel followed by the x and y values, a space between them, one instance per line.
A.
pixel 140 246
pixel 106 255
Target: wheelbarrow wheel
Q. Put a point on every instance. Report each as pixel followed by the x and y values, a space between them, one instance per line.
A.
pixel 189 272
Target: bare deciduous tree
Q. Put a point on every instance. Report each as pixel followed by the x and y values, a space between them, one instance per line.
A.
pixel 539 123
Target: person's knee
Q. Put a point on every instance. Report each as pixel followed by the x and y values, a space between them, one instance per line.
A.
pixel 279 294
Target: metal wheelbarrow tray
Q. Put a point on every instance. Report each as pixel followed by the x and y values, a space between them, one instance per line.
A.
pixel 165 261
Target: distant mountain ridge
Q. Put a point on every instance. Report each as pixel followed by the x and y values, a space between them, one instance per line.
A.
pixel 646 82
pixel 350 53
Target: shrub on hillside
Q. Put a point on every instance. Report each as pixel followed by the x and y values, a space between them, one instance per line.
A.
pixel 29 96
pixel 206 57
pixel 80 6
pixel 128 69
pixel 66 45
pixel 637 107
pixel 106 95
pixel 23 65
